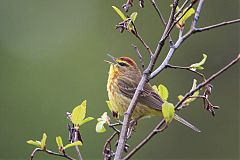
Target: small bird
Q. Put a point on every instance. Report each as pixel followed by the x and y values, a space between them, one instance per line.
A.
pixel 123 79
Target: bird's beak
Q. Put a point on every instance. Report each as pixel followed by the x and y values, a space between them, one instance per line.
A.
pixel 113 59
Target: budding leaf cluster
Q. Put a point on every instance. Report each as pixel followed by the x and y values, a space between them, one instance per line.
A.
pixel 62 148
pixel 198 65
pixel 40 144
pixel 127 22
pixel 101 121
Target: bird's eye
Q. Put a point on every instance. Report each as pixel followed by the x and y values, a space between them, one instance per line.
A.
pixel 122 64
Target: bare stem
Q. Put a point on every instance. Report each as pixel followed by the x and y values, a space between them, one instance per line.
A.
pixel 161 17
pixel 186 68
pixel 140 56
pixel 50 153
pixel 217 25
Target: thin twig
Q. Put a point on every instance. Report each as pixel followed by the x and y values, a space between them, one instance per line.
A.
pixel 161 18
pixel 107 152
pixel 141 40
pixel 186 68
pixel 139 56
pixel 216 25
pixel 50 153
pixel 76 148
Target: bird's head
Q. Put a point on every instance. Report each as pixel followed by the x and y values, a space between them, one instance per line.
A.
pixel 123 66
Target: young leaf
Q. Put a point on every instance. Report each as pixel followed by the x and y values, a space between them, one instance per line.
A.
pixel 59 142
pixel 77 143
pixel 78 113
pixel 35 143
pixel 198 65
pixel 86 120
pixel 181 22
pixel 189 100
pixel 100 127
pixel 43 141
pixel 163 92
pixel 168 111
pixel 133 17
pixel 119 12
pixel 194 85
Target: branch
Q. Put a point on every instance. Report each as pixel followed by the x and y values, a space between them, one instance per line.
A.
pixel 50 153
pixel 216 25
pixel 187 95
pixel 144 79
pixel 76 147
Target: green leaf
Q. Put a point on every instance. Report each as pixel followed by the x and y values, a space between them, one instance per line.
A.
pixel 43 141
pixel 119 12
pixel 59 141
pixel 35 143
pixel 199 64
pixel 77 143
pixel 181 22
pixel 133 16
pixel 100 127
pixel 163 92
pixel 168 111
pixel 86 120
pixel 78 113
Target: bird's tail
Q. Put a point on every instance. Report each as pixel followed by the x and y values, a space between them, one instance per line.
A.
pixel 183 121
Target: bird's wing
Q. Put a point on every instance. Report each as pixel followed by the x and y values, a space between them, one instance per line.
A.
pixel 147 97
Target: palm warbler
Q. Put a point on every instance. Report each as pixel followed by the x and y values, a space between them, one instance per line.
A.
pixel 123 79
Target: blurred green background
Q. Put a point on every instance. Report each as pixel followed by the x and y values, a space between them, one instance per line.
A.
pixel 51 59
